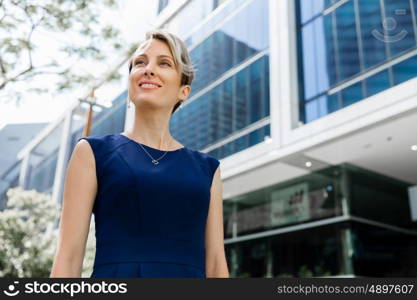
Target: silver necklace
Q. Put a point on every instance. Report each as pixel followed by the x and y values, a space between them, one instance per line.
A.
pixel 154 161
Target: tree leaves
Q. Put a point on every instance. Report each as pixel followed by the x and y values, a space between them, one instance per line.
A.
pixel 27 247
pixel 82 37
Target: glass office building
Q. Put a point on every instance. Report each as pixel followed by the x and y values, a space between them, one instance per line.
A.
pixel 228 108
pixel 42 163
pixel 310 105
pixel 339 220
pixel 351 50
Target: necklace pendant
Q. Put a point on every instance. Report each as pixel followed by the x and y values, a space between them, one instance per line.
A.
pixel 155 161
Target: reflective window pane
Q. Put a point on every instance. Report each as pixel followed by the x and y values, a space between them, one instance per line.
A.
pixel 227 108
pixel 377 83
pixel 348 50
pixel 326 57
pixel 309 67
pixel 312 110
pixel 323 107
pixel 332 102
pixel 214 106
pixel 309 253
pixel 230 45
pixel 190 16
pixel 414 3
pixel 311 8
pixel 241 143
pixel 405 70
pixel 352 94
pixel 255 71
pixel 256 136
pixel 379 252
pixel 306 9
pixel 399 26
pixel 242 99
pixel 374 47
pixel 265 87
pixel 319 59
pixel 42 162
pixel 161 5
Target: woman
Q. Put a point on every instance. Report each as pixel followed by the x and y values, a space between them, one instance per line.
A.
pixel 157 204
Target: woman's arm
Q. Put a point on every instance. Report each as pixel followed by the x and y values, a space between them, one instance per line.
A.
pixel 80 189
pixel 216 265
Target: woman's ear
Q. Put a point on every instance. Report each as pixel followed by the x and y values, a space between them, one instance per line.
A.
pixel 185 92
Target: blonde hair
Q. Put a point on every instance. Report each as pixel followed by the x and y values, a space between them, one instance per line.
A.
pixel 178 49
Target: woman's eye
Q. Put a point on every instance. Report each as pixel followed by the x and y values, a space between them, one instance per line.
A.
pixel 141 61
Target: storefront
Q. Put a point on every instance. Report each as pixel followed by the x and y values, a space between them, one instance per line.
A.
pixel 339 221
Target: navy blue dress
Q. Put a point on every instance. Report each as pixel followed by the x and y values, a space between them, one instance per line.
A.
pixel 150 219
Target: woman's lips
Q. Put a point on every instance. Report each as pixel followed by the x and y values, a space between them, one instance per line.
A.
pixel 148 87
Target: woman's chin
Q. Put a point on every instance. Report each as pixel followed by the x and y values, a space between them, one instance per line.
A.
pixel 147 102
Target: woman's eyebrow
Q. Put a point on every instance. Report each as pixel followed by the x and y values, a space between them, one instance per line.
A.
pixel 158 56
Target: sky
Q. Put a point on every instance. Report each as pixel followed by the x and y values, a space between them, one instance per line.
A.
pixel 133 19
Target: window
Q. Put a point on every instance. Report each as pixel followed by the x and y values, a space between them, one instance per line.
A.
pixel 161 5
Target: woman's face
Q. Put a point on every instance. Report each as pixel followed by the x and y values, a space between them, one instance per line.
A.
pixel 155 63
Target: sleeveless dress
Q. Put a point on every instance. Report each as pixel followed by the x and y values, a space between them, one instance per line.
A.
pixel 150 219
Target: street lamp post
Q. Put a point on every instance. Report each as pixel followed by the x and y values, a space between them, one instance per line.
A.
pixel 91 100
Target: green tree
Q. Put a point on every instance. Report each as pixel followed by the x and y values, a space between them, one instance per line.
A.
pixel 28 237
pixel 83 37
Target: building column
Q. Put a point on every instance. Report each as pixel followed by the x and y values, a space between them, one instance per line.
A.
pixel 24 171
pixel 62 159
pixel 269 259
pixel 347 251
pixel 274 72
pixel 286 68
pixel 130 114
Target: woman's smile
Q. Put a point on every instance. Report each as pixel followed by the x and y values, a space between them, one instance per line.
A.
pixel 146 86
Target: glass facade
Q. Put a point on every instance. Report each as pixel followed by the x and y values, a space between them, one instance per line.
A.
pixel 208 25
pixel 232 105
pixel 230 45
pixel 219 110
pixel 275 231
pixel 342 40
pixel 307 198
pixel 10 179
pixel 162 4
pixel 189 17
pixel 43 157
pixel 108 121
pixel 308 253
pixel 216 3
pixel 245 141
pixel 42 162
pixel 342 249
pixel 379 252
pixel 369 190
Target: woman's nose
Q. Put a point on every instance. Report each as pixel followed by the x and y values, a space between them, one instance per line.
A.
pixel 149 69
